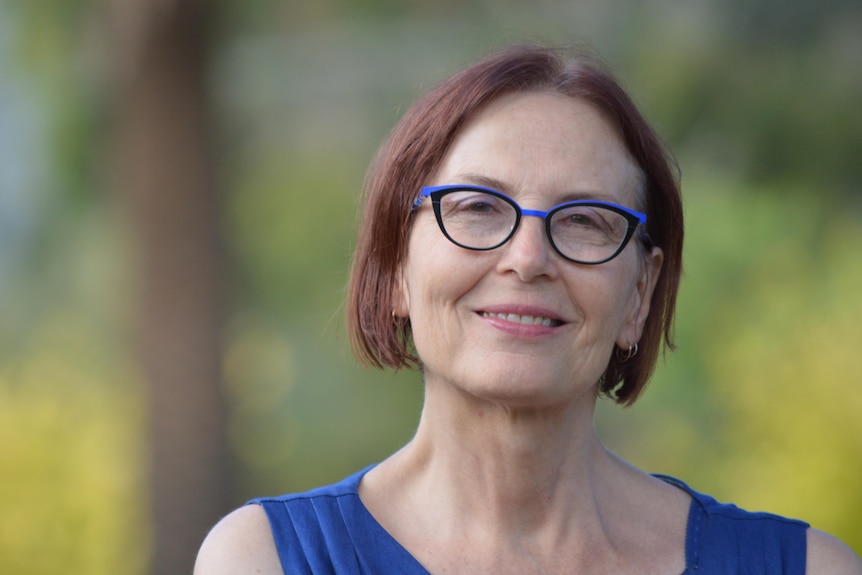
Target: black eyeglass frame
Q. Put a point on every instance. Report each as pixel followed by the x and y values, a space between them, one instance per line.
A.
pixel 633 218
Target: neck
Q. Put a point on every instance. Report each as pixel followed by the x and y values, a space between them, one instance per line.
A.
pixel 482 458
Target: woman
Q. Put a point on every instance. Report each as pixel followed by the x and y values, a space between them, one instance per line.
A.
pixel 522 244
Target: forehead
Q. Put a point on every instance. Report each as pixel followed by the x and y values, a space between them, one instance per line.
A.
pixel 542 142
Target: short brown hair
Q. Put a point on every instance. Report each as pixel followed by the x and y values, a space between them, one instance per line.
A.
pixel 411 154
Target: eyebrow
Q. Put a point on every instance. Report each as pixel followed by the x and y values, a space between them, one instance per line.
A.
pixel 501 186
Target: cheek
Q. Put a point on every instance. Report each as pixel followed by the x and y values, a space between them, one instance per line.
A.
pixel 437 272
pixel 607 298
pixel 436 286
pixel 433 315
pixel 437 278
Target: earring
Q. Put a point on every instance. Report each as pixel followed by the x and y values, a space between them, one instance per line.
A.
pixel 630 353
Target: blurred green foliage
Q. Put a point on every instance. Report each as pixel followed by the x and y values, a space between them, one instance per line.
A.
pixel 759 405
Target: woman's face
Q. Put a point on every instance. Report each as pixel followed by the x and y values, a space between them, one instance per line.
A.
pixel 473 313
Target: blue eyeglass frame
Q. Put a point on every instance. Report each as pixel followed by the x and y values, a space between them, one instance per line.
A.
pixel 634 218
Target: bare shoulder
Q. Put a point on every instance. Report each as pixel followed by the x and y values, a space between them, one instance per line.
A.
pixel 240 543
pixel 828 555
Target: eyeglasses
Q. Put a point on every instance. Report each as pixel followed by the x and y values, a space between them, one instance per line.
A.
pixel 581 231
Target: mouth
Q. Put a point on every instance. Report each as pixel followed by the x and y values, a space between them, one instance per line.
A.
pixel 523 319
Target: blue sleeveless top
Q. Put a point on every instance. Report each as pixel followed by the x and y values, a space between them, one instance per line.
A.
pixel 328 530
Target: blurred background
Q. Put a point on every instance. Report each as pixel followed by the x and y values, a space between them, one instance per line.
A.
pixel 179 184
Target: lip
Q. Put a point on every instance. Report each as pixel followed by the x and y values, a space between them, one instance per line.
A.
pixel 522 320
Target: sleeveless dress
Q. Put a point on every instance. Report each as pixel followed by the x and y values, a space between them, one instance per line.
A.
pixel 328 531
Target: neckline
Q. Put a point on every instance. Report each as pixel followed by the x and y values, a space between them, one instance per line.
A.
pixel 692 519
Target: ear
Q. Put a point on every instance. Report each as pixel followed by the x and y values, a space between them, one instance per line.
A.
pixel 400 295
pixel 632 330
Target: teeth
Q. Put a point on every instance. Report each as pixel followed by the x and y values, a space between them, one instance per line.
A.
pixel 522 319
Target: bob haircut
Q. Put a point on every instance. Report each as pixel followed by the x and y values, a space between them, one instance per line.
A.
pixel 412 153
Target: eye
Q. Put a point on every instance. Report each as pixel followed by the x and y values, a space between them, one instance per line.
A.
pixel 478 205
pixel 473 203
pixel 582 217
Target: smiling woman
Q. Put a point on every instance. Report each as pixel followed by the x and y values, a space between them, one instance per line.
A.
pixel 521 243
pixel 448 292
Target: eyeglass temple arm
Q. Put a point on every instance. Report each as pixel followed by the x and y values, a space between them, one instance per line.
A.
pixel 423 194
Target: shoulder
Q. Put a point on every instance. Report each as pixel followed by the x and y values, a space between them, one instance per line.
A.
pixel 721 536
pixel 240 543
pixel 256 537
pixel 828 555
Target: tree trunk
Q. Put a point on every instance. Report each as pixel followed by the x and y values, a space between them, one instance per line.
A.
pixel 163 170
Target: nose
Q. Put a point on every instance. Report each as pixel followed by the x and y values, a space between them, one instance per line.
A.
pixel 528 253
